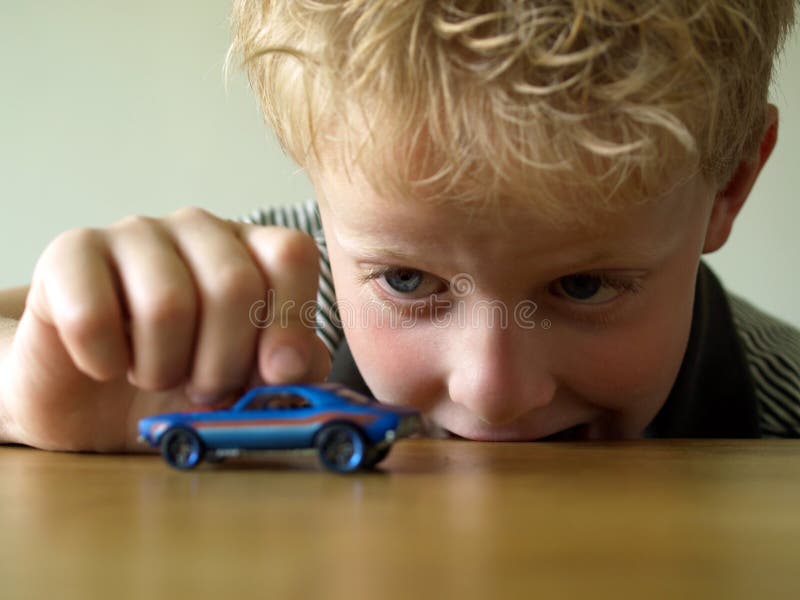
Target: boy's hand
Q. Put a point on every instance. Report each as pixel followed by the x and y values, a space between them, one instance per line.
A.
pixel 152 315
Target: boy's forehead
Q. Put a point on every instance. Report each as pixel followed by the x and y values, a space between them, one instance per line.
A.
pixel 348 196
pixel 368 224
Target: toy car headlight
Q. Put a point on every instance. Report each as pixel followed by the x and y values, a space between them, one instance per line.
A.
pixel 157 428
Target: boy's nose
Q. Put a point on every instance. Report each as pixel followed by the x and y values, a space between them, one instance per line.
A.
pixel 499 380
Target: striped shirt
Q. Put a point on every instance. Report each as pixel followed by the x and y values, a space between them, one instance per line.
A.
pixel 772 349
pixel 767 357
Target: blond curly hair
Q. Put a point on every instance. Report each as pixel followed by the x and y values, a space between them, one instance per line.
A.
pixel 552 100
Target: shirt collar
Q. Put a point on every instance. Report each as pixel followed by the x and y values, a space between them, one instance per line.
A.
pixel 713 395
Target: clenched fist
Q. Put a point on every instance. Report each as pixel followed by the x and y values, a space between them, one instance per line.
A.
pixel 151 315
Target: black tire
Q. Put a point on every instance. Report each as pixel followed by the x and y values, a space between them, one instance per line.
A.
pixel 181 448
pixel 375 456
pixel 341 448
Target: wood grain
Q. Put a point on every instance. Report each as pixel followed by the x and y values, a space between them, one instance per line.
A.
pixel 441 519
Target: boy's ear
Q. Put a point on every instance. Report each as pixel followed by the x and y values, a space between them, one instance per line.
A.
pixel 731 198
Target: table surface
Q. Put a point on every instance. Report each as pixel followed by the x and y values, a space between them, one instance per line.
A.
pixel 440 519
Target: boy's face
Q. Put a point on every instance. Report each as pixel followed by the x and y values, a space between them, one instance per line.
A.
pixel 543 328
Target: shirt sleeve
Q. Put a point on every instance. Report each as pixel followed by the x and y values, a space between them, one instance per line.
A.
pixel 772 350
pixel 305 217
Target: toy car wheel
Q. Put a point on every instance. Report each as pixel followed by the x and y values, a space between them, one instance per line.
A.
pixel 341 448
pixel 375 455
pixel 181 448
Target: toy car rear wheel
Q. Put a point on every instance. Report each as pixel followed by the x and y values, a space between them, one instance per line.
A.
pixel 341 448
pixel 181 448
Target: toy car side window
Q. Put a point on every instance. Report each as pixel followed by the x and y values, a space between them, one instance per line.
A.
pixel 278 401
pixel 259 403
pixel 288 402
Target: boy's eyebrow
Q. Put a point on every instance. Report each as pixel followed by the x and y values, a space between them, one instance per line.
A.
pixel 381 253
pixel 369 247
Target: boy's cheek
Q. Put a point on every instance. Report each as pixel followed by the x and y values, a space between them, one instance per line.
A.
pixel 396 365
pixel 632 369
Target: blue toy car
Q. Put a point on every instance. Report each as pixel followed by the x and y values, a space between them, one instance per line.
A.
pixel 350 431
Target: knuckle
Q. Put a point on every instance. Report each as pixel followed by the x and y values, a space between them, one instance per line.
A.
pixel 190 214
pixel 165 305
pixel 84 323
pixel 65 246
pixel 237 283
pixel 133 222
pixel 295 249
pixel 80 238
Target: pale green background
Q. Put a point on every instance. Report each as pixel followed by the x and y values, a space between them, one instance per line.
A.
pixel 115 108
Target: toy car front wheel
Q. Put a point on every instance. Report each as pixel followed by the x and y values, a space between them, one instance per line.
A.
pixel 341 448
pixel 181 448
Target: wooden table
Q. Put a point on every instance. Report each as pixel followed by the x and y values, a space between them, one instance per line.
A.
pixel 442 519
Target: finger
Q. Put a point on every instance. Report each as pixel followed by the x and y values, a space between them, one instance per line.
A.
pixel 287 357
pixel 75 290
pixel 161 302
pixel 228 283
pixel 289 349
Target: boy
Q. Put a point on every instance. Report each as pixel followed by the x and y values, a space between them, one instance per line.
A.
pixel 514 197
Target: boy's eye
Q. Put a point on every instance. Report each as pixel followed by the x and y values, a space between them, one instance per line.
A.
pixel 587 288
pixel 403 282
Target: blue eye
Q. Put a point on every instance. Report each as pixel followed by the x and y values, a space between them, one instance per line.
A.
pixel 581 287
pixel 404 281
pixel 594 288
